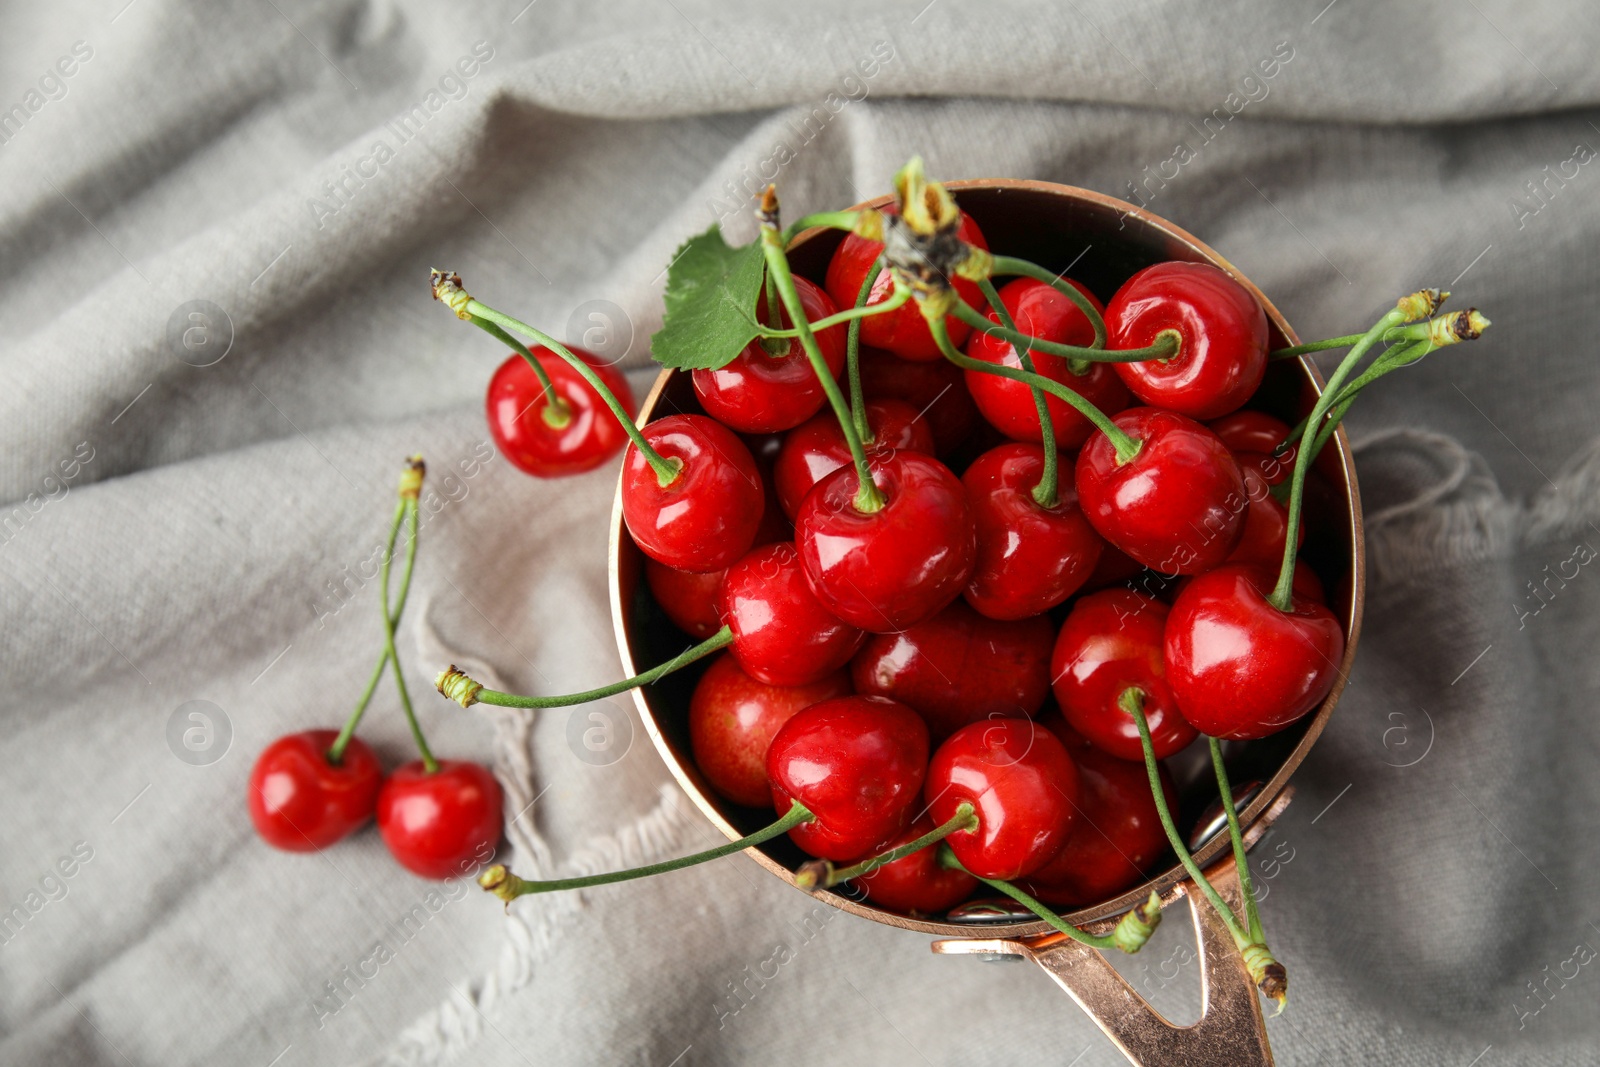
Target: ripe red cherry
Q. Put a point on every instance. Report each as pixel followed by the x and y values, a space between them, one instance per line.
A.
pixel 817 448
pixel 889 569
pixel 1030 558
pixel 1039 310
pixel 857 764
pixel 1111 642
pixel 959 667
pixel 533 437
pixel 689 599
pixel 1178 506
pixel 1118 834
pixel 761 393
pixel 1115 568
pixel 300 802
pixel 1240 668
pixel 440 825
pixel 733 718
pixel 1266 524
pixel 1023 786
pixel 1250 431
pixel 1223 352
pixel 708 517
pixel 902 331
pixel 782 635
pixel 935 389
pixel 917 884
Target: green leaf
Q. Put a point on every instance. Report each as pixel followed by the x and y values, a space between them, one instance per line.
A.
pixel 711 303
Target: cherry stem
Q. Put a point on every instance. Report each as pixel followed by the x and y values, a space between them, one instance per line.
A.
pixel 1047 494
pixel 852 356
pixel 456 685
pixel 1283 594
pixel 850 315
pixel 557 412
pixel 833 220
pixel 1399 356
pixel 1415 331
pixel 507 886
pixel 1166 347
pixel 948 859
pixel 772 344
pixel 965 818
pixel 1127 447
pixel 868 498
pixel 408 504
pixel 336 750
pixel 1240 860
pixel 1004 265
pixel 1132 702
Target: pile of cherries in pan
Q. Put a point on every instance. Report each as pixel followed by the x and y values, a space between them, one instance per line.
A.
pixel 916 527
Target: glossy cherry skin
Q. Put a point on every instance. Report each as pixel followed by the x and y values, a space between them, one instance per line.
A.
pixel 936 390
pixel 690 599
pixel 959 667
pixel 440 825
pixel 733 718
pixel 1115 568
pixel 762 393
pixel 1250 431
pixel 1223 352
pixel 1024 787
pixel 708 517
pixel 1240 668
pixel 1266 524
pixel 1113 641
pixel 1118 835
pixel 1178 506
pixel 518 414
pixel 917 884
pixel 1030 558
pixel 817 448
pixel 902 331
pixel 889 569
pixel 1042 312
pixel 300 802
pixel 782 635
pixel 857 763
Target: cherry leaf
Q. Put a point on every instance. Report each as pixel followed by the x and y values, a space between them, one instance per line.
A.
pixel 711 301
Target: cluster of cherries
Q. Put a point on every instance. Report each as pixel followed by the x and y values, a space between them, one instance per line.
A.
pixel 439 818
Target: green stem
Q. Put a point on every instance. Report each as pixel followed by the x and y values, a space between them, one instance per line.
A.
pixel 1005 265
pixel 1132 702
pixel 667 470
pixel 513 886
pixel 771 343
pixel 431 765
pixel 1047 494
pixel 1127 447
pixel 948 859
pixel 852 356
pixel 965 818
pixel 1166 346
pixel 466 692
pixel 1314 346
pixel 833 220
pixel 1240 860
pixel 850 315
pixel 868 498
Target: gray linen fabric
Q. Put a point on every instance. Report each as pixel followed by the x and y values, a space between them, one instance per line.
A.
pixel 177 533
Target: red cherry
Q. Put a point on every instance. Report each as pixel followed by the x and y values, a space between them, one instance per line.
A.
pixel 1023 786
pixel 1274 470
pixel 732 720
pixel 1112 641
pixel 1115 568
pixel 519 417
pixel 690 600
pixel 761 393
pixel 440 825
pixel 1305 582
pixel 1030 558
pixel 857 763
pixel 300 802
pixel 889 569
pixel 1178 506
pixel 1239 667
pixel 1118 835
pixel 902 331
pixel 1266 524
pixel 782 635
pixel 1223 353
pixel 918 883
pixel 817 448
pixel 959 667
pixel 708 517
pixel 935 389
pixel 1040 311
pixel 1250 431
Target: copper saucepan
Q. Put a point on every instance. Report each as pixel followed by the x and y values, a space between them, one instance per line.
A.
pixel 1103 241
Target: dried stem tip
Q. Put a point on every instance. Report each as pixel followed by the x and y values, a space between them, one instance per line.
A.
pixel 814 874
pixel 1268 974
pixel 1135 928
pixel 921 246
pixel 1422 303
pixel 501 882
pixel 455 685
pixel 767 212
pixel 447 288
pixel 411 478
pixel 1465 325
